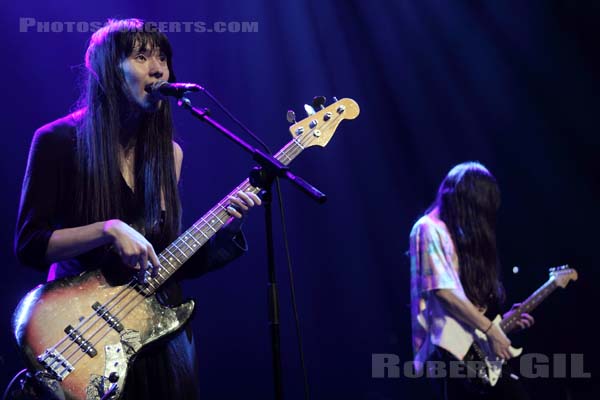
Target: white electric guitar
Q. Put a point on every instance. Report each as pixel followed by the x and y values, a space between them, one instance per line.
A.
pixel 481 357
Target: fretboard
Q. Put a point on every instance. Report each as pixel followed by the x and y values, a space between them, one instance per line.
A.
pixel 529 305
pixel 178 252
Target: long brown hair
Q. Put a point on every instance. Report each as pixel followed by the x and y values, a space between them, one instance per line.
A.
pixel 468 200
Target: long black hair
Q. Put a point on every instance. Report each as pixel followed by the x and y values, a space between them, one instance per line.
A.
pixel 98 133
pixel 468 200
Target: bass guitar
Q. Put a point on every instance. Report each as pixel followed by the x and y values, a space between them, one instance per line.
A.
pixel 80 334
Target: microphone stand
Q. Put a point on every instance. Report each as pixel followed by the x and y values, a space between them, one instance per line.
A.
pixel 263 177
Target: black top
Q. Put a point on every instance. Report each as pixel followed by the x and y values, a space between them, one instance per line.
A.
pixel 48 203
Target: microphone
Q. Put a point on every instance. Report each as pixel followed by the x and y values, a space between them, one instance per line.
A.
pixel 164 89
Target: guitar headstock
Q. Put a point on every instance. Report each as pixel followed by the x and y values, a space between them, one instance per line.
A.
pixel 563 275
pixel 317 129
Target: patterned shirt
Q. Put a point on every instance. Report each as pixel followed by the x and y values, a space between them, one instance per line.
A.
pixel 434 265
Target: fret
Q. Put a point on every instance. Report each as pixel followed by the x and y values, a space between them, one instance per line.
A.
pixel 294 152
pixel 159 280
pixel 165 277
pixel 200 230
pixel 297 143
pixel 149 283
pixel 282 152
pixel 181 251
pixel 288 157
pixel 285 152
pixel 217 217
pixel 194 239
pixel 168 262
pixel 188 246
pixel 209 225
pixel 172 255
pixel 529 304
pixel 147 290
pixel 196 236
pixel 158 273
pixel 290 152
pixel 149 287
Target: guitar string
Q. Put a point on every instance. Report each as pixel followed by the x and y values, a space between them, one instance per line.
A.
pixel 296 150
pixel 131 288
pixel 133 282
pixel 127 288
pixel 287 149
pixel 300 145
pixel 71 343
pixel 121 314
pixel 106 309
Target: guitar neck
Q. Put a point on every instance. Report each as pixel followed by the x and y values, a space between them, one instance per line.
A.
pixel 508 324
pixel 178 252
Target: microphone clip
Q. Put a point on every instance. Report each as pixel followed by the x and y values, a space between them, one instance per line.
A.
pixel 163 89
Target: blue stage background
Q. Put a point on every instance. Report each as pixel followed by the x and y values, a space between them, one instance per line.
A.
pixel 509 83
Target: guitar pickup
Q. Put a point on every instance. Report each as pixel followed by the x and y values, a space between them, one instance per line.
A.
pixel 110 319
pixel 78 339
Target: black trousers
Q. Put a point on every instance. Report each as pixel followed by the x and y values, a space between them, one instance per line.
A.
pixel 459 388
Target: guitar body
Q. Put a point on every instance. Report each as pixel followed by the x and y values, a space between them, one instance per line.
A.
pixel 482 360
pixel 88 362
pixel 79 335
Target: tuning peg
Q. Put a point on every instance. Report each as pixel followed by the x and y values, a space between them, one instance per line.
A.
pixel 309 110
pixel 318 102
pixel 291 117
pixel 335 99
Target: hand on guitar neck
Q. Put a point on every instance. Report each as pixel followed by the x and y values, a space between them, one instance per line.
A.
pixel 137 253
pixel 524 319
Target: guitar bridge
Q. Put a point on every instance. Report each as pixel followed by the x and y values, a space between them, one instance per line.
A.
pixel 55 363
